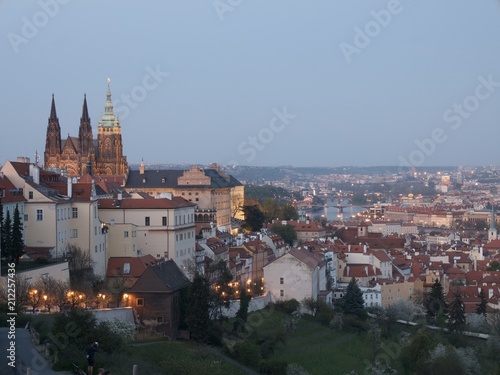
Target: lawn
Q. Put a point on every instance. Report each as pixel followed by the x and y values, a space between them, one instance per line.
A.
pixel 183 358
pixel 317 348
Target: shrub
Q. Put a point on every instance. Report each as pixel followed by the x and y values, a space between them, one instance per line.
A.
pixel 291 305
pixel 273 367
pixel 248 353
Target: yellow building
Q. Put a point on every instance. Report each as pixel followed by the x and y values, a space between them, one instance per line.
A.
pixel 216 194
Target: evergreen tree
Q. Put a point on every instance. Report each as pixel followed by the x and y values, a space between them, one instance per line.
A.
pixel 287 232
pixel 242 314
pixel 481 306
pixel 456 321
pixel 17 242
pixel 353 302
pixel 434 302
pixel 6 236
pixel 254 218
pixel 198 318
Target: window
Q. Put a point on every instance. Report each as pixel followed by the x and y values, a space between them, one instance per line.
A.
pixel 96 248
pixel 74 233
pixel 140 301
pixel 282 293
pixel 25 217
pixel 134 233
pixel 30 195
pixel 159 319
pixel 147 221
pixel 282 281
pixel 164 221
pixel 39 215
pixel 95 231
pixel 125 233
pixel 75 213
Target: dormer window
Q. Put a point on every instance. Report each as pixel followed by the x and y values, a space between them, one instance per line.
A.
pixel 126 268
pixel 144 180
pixel 163 180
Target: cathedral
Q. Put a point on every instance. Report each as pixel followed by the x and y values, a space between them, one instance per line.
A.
pixel 84 154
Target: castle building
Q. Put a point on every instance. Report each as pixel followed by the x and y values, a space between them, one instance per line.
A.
pixel 76 155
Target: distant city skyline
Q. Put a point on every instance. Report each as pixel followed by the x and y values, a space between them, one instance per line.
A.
pixel 383 83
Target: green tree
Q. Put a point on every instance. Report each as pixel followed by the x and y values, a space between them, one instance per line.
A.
pixel 221 293
pixel 287 232
pixel 456 321
pixel 288 212
pixel 198 318
pixel 271 210
pixel 494 266
pixel 242 313
pixel 254 218
pixel 434 302
pixel 353 302
pixel 17 242
pixel 6 236
pixel 482 305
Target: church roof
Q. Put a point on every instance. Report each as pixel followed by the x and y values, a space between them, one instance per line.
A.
pixel 167 178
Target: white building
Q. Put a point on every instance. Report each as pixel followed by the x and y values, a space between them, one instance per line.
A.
pixel 165 227
pixel 298 274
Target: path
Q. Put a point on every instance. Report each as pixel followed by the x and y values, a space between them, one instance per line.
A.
pixel 26 355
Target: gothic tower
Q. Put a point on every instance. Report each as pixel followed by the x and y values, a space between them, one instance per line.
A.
pixel 492 232
pixel 86 140
pixel 52 152
pixel 109 140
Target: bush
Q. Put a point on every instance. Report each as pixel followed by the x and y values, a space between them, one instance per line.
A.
pixel 248 353
pixel 273 367
pixel 353 324
pixel 290 305
pixel 42 260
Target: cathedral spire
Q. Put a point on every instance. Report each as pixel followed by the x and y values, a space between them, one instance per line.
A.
pixel 109 118
pixel 85 112
pixel 53 114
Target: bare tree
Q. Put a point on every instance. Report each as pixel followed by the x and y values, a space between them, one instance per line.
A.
pixel 80 267
pixel 61 290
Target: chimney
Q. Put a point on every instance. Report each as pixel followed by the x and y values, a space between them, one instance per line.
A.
pixel 35 173
pixel 141 167
pixel 70 187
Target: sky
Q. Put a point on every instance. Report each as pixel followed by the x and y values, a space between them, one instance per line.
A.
pixel 240 82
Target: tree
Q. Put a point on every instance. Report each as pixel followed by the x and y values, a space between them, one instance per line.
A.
pixel 242 313
pixel 494 266
pixel 456 321
pixel 482 305
pixel 80 268
pixel 6 235
pixel 254 218
pixel 271 210
pixel 222 292
pixel 287 232
pixel 16 242
pixel 198 318
pixel 353 302
pixel 288 212
pixel 375 333
pixel 434 302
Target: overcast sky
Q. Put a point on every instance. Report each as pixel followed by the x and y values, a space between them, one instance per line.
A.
pixel 282 82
